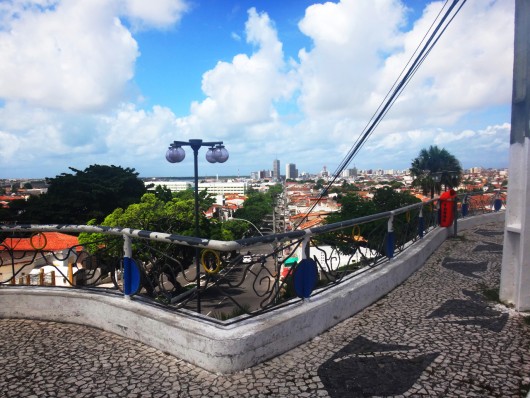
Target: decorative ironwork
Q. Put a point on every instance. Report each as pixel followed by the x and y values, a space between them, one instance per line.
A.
pixel 248 276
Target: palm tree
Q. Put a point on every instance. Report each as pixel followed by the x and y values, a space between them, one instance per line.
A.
pixel 433 168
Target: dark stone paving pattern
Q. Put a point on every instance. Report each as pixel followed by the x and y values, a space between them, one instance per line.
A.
pixel 435 335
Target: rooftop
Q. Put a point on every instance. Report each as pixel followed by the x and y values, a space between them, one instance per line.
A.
pixel 49 241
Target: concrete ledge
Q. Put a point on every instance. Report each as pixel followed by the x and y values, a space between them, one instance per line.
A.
pixel 226 348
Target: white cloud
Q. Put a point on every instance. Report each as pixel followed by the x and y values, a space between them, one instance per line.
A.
pixel 60 61
pixel 137 133
pixel 471 147
pixel 359 50
pixel 160 14
pixel 65 68
pixel 445 138
pixel 243 91
pixel 73 55
pixel 339 73
pixel 470 67
pixel 33 134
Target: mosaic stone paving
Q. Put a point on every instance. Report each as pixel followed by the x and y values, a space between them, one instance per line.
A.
pixel 436 335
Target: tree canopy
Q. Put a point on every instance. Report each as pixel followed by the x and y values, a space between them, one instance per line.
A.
pixel 154 214
pixel 432 163
pixel 86 194
pixel 258 205
pixel 387 199
pixel 354 206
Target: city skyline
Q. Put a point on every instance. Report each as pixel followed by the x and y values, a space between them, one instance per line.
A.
pixel 271 80
pixel 301 174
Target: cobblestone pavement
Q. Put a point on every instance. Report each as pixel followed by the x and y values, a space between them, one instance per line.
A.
pixel 435 335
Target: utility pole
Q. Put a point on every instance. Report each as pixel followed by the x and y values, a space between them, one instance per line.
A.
pixel 515 272
pixel 274 215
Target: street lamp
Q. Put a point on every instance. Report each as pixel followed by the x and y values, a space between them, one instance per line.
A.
pixel 217 153
pixel 444 175
pixel 251 223
pixel 437 178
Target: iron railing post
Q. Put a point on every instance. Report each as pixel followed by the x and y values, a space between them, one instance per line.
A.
pixel 455 212
pixel 390 237
pixel 196 144
pixel 421 224
pixel 127 257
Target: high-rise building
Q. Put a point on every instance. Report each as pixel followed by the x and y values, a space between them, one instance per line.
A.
pixel 324 173
pixel 348 173
pixel 291 171
pixel 276 170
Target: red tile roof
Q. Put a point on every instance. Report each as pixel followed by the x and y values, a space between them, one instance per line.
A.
pixel 5 200
pixel 310 224
pixel 11 197
pixel 49 241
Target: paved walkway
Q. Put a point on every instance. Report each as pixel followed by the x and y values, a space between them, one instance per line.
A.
pixel 435 335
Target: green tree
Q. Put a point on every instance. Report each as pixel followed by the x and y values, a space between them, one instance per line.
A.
pixel 319 184
pixel 16 207
pixel 175 216
pixel 163 192
pixel 353 206
pixel 434 162
pixel 87 194
pixel 158 259
pixel 236 229
pixel 5 216
pixel 256 207
pixel 396 184
pixel 387 199
pixel 275 190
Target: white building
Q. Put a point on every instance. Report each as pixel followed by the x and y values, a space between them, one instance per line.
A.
pixel 213 188
pixel 222 188
pixel 276 169
pixel 174 186
pixel 290 171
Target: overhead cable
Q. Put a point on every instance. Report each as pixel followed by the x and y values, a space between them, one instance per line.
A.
pixel 425 47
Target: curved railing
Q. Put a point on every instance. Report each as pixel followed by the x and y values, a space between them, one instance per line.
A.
pixel 222 279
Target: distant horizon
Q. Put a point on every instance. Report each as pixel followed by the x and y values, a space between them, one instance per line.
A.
pixel 186 178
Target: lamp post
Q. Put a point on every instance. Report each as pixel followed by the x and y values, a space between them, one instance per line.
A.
pixel 217 153
pixel 251 223
pixel 437 178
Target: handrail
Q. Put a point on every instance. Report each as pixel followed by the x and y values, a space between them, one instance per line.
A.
pixel 164 265
pixel 209 243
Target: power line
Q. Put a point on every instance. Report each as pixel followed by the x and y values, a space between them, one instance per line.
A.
pixel 395 91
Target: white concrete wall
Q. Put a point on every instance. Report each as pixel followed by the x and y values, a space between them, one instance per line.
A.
pixel 515 273
pixel 226 348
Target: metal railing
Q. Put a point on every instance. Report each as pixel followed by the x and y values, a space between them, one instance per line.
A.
pixel 248 276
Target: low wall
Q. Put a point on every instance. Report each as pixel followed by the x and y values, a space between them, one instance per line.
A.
pixel 226 348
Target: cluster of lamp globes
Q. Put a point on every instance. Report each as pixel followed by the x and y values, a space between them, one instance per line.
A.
pixel 215 154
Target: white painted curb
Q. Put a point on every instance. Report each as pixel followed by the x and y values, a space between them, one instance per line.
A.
pixel 227 348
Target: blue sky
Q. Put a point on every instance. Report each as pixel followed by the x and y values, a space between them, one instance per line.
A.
pixel 115 81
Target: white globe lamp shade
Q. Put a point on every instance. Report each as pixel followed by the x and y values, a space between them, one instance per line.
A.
pixel 175 155
pixel 221 154
pixel 210 155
